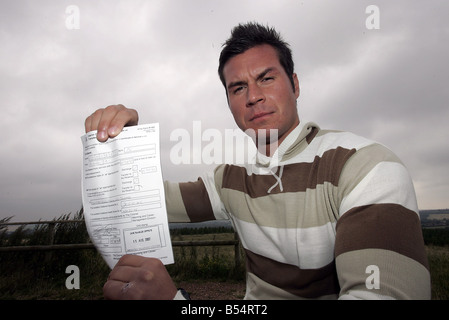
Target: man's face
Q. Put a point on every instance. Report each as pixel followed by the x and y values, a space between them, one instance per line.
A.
pixel 260 93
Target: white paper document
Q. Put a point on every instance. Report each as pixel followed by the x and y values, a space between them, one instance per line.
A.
pixel 123 195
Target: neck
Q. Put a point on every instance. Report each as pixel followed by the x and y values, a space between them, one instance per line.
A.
pixel 267 149
pixel 268 145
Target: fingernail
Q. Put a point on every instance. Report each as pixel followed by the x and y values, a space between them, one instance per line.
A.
pixel 113 131
pixel 101 135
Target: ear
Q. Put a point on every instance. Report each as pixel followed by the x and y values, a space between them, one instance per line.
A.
pixel 296 83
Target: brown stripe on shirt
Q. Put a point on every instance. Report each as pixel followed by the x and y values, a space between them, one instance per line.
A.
pixel 196 201
pixel 306 283
pixel 381 226
pixel 297 177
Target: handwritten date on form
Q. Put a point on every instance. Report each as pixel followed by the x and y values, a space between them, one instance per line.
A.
pixel 123 195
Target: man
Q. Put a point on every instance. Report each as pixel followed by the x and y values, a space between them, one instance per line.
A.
pixel 321 214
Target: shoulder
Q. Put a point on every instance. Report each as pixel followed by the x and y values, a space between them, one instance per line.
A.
pixel 362 151
pixel 333 147
pixel 332 139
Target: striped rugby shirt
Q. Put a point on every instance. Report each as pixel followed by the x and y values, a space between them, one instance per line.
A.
pixel 326 217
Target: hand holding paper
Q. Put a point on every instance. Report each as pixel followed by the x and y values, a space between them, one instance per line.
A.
pixel 123 195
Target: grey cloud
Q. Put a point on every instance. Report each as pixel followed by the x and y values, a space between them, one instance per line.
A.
pixel 161 58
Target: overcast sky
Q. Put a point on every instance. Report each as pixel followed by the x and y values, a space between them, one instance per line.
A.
pixel 161 57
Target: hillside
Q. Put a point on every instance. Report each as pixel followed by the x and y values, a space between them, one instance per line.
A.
pixel 434 218
pixel 429 219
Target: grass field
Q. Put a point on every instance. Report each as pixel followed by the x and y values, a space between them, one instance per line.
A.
pixel 25 275
pixel 439 271
pixel 40 275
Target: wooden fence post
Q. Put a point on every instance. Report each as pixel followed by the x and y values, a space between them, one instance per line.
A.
pixel 51 239
pixel 236 250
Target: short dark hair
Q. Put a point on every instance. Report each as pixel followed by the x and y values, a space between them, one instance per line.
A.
pixel 249 35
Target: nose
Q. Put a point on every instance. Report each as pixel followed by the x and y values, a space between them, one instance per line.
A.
pixel 254 95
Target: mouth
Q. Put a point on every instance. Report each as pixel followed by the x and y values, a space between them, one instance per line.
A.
pixel 261 116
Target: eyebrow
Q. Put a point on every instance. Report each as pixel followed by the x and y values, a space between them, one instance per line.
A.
pixel 259 77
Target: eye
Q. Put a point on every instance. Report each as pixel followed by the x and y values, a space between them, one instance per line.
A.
pixel 238 89
pixel 267 79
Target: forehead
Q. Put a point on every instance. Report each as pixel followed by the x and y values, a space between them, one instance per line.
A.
pixel 251 63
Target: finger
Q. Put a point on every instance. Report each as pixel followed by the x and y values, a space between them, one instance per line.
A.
pixel 113 119
pixel 104 122
pixel 122 273
pixel 135 268
pixel 88 124
pixel 123 117
pixel 131 260
pixel 91 122
pixel 116 290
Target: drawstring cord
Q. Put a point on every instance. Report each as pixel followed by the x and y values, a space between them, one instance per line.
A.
pixel 278 180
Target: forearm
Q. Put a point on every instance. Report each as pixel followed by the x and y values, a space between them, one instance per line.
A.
pixel 381 274
pixel 188 201
pixel 175 206
pixel 379 248
pixel 380 253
